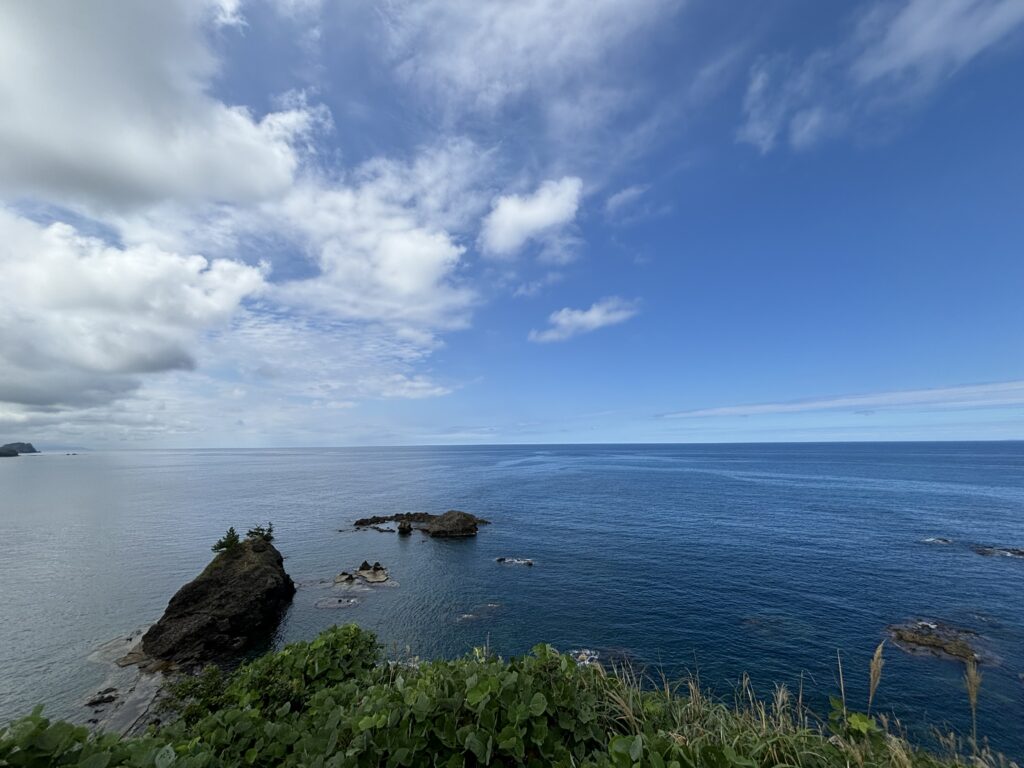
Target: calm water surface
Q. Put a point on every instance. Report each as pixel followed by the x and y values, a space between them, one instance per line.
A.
pixel 764 559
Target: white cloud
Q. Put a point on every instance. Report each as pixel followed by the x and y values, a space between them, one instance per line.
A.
pixel 517 219
pixel 1001 394
pixel 895 55
pixel 82 318
pixel 624 198
pixel 107 106
pixel 134 313
pixel 483 53
pixel 566 323
pixel 929 39
pixel 533 287
pixel 386 239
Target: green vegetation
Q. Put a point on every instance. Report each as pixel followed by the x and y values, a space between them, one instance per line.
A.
pixel 335 701
pixel 259 532
pixel 228 542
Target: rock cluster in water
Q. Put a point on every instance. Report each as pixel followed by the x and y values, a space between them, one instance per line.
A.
pixel 235 603
pixel 452 524
pixel 371 574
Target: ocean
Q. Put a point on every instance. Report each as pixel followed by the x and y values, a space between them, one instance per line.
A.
pixel 718 559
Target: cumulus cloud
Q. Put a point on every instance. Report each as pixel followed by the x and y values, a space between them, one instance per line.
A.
pixel 567 323
pixel 895 55
pixel 107 106
pixel 517 219
pixel 137 193
pixel 386 239
pixel 83 318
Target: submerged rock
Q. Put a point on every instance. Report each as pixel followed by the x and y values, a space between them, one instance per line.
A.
pixel 998 551
pixel 938 540
pixel 936 638
pixel 336 602
pixel 235 603
pixel 515 561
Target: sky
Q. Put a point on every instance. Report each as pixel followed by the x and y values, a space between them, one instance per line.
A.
pixel 250 223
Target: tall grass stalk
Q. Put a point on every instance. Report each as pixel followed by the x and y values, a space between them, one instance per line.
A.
pixel 972 681
pixel 877 662
pixel 842 685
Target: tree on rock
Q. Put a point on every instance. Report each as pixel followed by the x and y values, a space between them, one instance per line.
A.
pixel 228 542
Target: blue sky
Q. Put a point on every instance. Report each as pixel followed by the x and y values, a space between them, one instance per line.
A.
pixel 291 222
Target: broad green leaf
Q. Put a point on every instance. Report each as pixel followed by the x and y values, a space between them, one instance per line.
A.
pixel 538 704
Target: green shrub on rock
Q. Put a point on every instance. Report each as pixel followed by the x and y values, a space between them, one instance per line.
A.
pixel 259 532
pixel 228 542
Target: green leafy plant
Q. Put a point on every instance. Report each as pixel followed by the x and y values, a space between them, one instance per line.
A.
pixel 336 701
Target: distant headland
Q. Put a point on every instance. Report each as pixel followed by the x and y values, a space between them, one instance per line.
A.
pixel 16 449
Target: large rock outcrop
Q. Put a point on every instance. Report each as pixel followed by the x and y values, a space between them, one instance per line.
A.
pixel 235 603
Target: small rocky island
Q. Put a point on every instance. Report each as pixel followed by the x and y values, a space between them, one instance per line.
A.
pixel 452 524
pixel 233 605
pixel 16 449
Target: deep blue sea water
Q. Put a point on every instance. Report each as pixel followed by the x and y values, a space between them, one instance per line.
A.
pixel 726 559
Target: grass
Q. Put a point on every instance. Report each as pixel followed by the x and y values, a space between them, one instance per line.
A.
pixel 336 701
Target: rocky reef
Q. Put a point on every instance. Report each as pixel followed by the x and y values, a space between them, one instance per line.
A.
pixel 452 524
pixel 935 638
pixel 998 551
pixel 234 604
